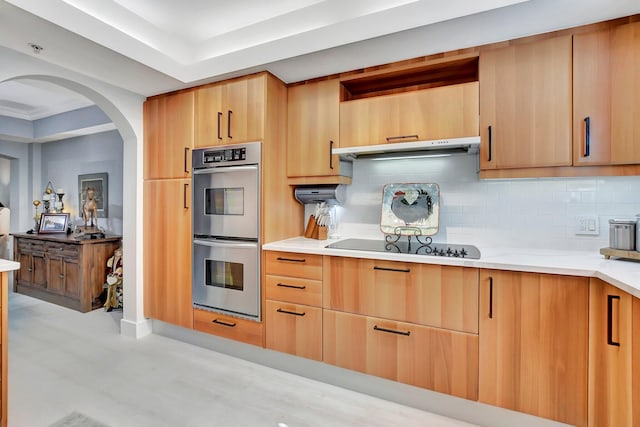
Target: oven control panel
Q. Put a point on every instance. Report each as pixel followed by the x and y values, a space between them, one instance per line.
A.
pixel 227 155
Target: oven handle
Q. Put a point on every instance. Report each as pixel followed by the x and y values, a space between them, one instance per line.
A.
pixel 224 243
pixel 226 169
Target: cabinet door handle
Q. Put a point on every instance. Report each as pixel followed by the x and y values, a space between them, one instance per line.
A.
pixel 490 297
pixel 61 276
pixel 587 136
pixel 186 159
pixel 397 270
pixel 610 340
pixel 29 270
pixel 330 154
pixel 291 259
pixel 224 323
pixel 391 331
pixel 184 196
pixel 229 113
pixel 402 137
pixel 490 143
pixel 219 124
pixel 284 285
pixel 282 310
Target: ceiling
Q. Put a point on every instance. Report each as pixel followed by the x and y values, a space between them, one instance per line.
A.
pixel 155 46
pixel 29 99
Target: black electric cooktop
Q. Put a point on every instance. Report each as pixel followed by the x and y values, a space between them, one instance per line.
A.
pixel 407 246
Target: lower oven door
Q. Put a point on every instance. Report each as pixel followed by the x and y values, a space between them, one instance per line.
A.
pixel 226 276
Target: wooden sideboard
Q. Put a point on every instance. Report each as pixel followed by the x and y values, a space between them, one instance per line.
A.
pixel 63 269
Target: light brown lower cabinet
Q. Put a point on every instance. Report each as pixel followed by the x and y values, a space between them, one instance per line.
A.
pixel 534 344
pixel 436 359
pixel 229 327
pixel 294 329
pixel 614 356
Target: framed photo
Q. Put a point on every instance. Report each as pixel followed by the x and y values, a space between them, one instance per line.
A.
pixel 53 223
pixel 100 184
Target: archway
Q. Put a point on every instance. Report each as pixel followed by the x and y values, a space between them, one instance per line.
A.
pixel 125 111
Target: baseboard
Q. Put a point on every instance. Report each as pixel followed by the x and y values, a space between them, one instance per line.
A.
pixel 136 329
pixel 427 400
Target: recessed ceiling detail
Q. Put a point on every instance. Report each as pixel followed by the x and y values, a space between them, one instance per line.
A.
pixel 29 99
pixel 192 40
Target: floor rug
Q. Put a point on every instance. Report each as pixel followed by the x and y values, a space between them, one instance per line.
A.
pixel 76 419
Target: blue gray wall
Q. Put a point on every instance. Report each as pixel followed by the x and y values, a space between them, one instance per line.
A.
pixel 62 162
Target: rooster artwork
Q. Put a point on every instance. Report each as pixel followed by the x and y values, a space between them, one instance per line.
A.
pixel 410 209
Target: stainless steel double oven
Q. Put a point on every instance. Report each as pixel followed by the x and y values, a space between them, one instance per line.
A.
pixel 226 229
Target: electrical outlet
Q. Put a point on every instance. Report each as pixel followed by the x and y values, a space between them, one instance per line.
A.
pixel 587 225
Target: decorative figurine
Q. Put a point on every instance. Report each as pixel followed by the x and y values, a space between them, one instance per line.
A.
pixel 114 281
pixel 89 207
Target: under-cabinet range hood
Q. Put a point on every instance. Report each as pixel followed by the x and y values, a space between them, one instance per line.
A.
pixel 439 147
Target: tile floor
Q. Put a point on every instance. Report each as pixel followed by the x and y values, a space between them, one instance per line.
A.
pixel 62 361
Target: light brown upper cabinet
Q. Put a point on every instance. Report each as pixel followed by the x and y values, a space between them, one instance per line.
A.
pixel 168 136
pixel 436 113
pixel 313 130
pixel 606 96
pixel 525 105
pixel 230 112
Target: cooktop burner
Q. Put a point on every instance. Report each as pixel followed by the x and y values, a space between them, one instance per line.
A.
pixel 409 247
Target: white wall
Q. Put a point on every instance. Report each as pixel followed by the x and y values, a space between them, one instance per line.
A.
pixel 539 213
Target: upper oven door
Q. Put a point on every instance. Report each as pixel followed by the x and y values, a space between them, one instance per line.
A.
pixel 226 202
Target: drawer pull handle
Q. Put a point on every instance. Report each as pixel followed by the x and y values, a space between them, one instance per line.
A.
pixel 185 191
pixel 291 259
pixel 29 270
pixel 490 142
pixel 330 154
pixel 391 138
pixel 223 323
pixel 398 270
pixel 281 310
pixel 610 340
pixel 61 276
pixel 284 285
pixel 391 331
pixel 490 297
pixel 587 136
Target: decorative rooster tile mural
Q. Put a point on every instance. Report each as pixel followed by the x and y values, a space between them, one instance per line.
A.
pixel 410 209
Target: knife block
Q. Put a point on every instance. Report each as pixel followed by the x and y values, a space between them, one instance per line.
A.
pixel 315 231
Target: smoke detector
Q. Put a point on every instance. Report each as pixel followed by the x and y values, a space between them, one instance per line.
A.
pixel 36 48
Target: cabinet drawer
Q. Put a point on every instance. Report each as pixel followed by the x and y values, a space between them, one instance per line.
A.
pixel 294 290
pixel 228 326
pixel 294 265
pixel 27 246
pixel 432 295
pixel 436 359
pixel 444 112
pixel 62 249
pixel 294 329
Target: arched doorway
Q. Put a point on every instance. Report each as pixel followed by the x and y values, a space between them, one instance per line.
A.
pixel 125 111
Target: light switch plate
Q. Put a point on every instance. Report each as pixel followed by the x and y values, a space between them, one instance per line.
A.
pixel 587 225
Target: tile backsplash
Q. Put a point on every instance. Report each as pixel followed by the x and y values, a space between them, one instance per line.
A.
pixel 539 213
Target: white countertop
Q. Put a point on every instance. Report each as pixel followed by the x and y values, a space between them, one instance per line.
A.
pixel 623 274
pixel 7 265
